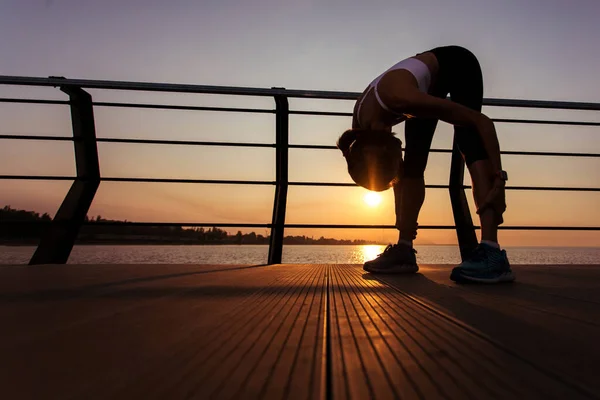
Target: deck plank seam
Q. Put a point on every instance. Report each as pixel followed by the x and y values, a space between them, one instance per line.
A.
pixel 310 283
pixel 344 371
pixel 265 296
pixel 327 374
pixel 175 358
pixel 529 307
pixel 288 294
pixel 320 289
pixel 353 335
pixel 403 345
pixel 484 355
pixel 423 329
pixel 417 316
pixel 577 386
pixel 415 387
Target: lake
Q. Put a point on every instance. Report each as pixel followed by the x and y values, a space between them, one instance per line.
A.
pixel 249 254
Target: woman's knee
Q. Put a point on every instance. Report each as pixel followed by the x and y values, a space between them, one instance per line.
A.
pixel 413 169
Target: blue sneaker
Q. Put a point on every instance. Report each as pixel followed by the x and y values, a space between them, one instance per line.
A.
pixel 487 264
pixel 395 259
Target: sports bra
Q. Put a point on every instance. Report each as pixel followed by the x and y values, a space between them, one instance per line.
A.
pixel 416 67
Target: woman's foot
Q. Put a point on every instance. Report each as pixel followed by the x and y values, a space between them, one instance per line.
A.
pixel 487 264
pixel 395 259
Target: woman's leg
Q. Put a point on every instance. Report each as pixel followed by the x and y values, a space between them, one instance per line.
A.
pixel 466 88
pixel 488 263
pixel 409 193
pixel 481 177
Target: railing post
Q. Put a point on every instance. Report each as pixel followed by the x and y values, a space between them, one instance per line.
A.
pixel 57 242
pixel 281 178
pixel 467 240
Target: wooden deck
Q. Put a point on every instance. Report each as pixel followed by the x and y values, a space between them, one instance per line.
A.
pixel 296 331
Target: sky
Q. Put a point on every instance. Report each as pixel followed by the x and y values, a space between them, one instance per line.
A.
pixel 539 49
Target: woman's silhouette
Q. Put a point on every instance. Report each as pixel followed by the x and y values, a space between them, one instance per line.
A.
pixel 415 90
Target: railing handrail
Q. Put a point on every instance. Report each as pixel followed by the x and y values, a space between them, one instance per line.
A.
pixel 251 91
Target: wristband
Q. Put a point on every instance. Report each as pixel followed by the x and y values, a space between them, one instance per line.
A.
pixel 502 175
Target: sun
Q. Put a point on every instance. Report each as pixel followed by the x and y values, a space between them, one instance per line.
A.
pixel 372 199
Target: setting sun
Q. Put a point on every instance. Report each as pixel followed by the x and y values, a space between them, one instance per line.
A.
pixel 372 199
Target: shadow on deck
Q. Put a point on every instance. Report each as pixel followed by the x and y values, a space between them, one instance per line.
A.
pixel 296 331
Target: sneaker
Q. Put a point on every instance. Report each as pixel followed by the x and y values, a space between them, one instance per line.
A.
pixel 395 259
pixel 486 264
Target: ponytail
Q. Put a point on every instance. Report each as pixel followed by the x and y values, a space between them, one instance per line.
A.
pixel 375 136
pixel 346 140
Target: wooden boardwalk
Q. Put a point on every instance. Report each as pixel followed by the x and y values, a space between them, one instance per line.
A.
pixel 296 331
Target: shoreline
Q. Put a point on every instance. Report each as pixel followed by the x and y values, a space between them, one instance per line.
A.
pixel 290 244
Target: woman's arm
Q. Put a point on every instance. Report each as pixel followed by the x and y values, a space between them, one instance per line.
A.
pixel 418 104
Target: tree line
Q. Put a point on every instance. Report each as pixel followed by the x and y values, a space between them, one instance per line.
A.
pixel 26 227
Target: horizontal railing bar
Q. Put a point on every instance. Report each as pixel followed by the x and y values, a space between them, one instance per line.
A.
pixel 549 154
pixel 313 146
pixel 340 184
pixel 296 226
pixel 34 137
pixel 150 224
pixel 142 141
pixel 507 152
pixel 171 180
pixel 552 188
pixel 144 180
pixel 543 188
pixel 500 120
pixel 38 177
pixel 267 145
pixel 226 224
pixel 185 142
pixel 270 111
pixel 229 90
pixel 562 105
pixel 192 108
pixel 244 182
pixel 534 228
pixel 321 113
pixel 32 101
pixel 545 122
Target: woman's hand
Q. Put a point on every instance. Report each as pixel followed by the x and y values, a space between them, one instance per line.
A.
pixel 496 200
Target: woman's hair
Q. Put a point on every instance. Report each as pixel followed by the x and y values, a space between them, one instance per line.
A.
pixel 374 157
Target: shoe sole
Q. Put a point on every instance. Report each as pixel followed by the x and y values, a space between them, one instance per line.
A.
pixel 506 277
pixel 396 269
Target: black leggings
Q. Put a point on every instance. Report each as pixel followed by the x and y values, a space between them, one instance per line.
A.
pixel 460 76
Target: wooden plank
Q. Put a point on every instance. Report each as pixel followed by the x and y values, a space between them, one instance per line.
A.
pixel 453 361
pixel 239 359
pixel 38 303
pixel 558 336
pixel 154 334
pixel 41 279
pixel 294 331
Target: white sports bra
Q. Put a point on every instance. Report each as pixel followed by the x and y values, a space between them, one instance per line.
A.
pixel 416 67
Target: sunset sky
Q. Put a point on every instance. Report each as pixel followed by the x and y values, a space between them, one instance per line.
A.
pixel 537 49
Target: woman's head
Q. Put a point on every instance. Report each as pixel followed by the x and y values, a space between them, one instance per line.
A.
pixel 374 157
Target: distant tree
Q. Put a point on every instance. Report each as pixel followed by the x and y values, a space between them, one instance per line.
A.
pixel 150 234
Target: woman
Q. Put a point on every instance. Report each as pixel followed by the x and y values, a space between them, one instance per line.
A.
pixel 415 90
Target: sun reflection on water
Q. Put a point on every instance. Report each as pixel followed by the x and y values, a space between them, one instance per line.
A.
pixel 371 251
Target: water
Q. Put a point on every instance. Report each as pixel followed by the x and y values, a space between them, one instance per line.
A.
pixel 232 254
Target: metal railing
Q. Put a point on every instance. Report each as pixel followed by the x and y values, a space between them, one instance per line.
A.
pixel 57 242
